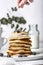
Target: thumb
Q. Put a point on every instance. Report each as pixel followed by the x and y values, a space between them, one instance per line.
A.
pixel 19 1
pixel 22 2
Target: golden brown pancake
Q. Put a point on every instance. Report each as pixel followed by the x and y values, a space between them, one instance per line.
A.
pixel 19 52
pixel 19 37
pixel 19 41
pixel 22 54
pixel 19 45
pixel 15 34
pixel 18 48
pixel 27 40
pixel 14 49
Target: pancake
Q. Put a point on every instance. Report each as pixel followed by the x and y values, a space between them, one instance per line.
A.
pixel 19 55
pixel 26 39
pixel 19 52
pixel 19 45
pixel 23 33
pixel 19 41
pixel 18 48
pixel 14 49
pixel 20 37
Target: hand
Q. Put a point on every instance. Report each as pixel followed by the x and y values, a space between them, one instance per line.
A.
pixel 21 3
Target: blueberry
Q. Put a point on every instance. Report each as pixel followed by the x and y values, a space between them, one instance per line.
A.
pixel 25 55
pixel 18 31
pixel 8 55
pixel 20 56
pixel 33 53
pixel 1 54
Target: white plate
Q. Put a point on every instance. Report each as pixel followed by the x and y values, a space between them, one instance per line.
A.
pixel 29 58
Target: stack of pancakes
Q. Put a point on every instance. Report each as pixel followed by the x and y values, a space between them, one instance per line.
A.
pixel 19 44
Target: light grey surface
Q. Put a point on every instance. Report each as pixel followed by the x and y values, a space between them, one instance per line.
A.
pixel 29 58
pixel 9 61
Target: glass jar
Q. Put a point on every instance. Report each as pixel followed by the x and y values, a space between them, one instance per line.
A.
pixel 34 34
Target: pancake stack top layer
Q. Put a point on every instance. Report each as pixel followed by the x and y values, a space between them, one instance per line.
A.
pixel 19 44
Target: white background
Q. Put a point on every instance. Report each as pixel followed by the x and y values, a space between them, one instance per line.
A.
pixel 32 13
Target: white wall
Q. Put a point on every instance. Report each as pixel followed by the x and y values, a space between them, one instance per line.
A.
pixel 32 13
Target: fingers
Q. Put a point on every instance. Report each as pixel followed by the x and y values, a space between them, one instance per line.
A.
pixel 27 3
pixel 31 1
pixel 21 3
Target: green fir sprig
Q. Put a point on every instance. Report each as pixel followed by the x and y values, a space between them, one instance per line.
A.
pixel 9 20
